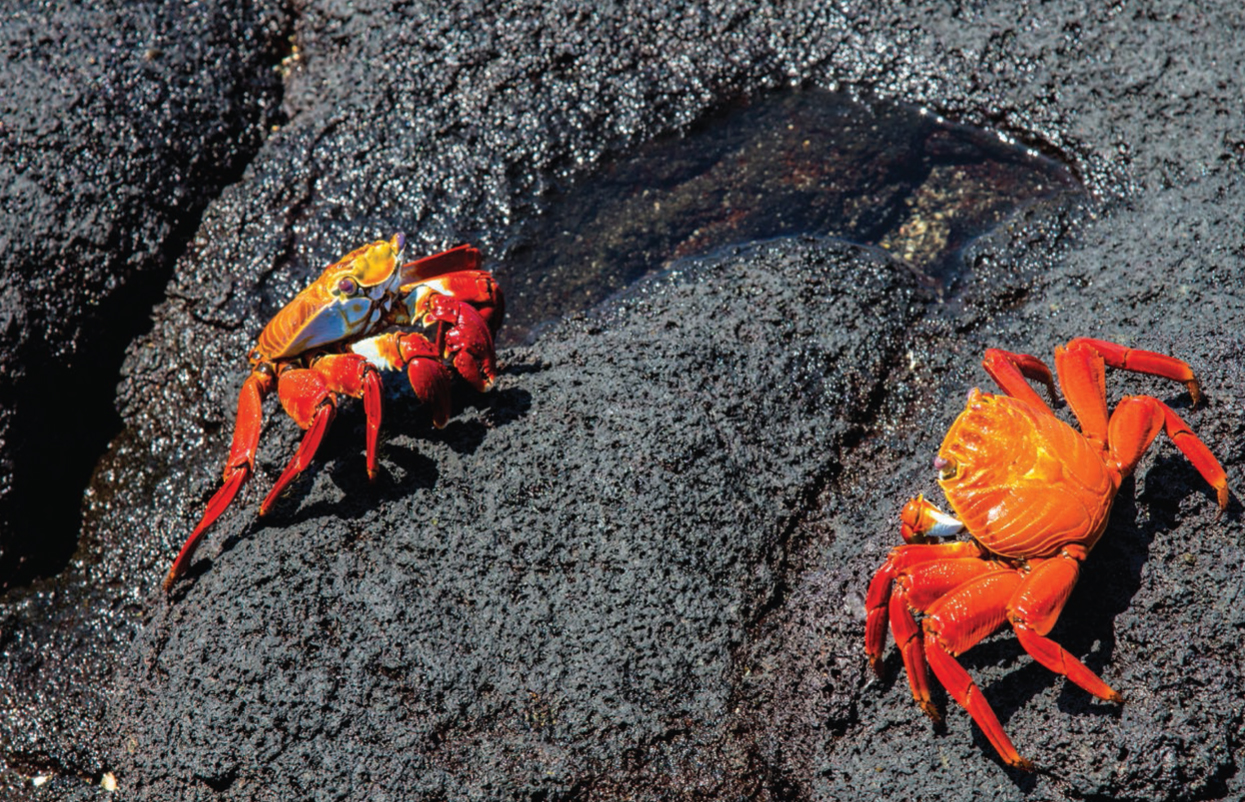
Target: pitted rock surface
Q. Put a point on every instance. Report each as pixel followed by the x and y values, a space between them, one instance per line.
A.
pixel 636 569
pixel 603 498
pixel 117 127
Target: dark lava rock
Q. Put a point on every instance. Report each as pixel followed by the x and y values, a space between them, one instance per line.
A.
pixel 636 568
pixel 553 588
pixel 117 127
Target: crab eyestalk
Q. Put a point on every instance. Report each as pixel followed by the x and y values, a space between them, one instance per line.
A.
pixel 946 467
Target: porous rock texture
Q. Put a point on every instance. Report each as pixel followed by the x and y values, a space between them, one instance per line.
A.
pixel 117 127
pixel 636 568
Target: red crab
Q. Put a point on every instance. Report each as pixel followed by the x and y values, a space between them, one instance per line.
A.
pixel 366 313
pixel 1034 495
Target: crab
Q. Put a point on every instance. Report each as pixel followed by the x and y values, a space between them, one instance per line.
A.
pixel 366 313
pixel 1034 495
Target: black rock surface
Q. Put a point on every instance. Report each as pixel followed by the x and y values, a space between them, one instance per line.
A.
pixel 636 568
pixel 117 127
pixel 552 587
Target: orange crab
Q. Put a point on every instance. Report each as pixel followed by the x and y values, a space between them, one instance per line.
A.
pixel 1034 495
pixel 367 312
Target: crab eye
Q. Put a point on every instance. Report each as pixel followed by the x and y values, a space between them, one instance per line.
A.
pixel 947 468
pixel 347 286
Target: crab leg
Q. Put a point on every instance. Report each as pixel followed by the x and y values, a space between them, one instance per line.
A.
pixel 962 688
pixel 917 588
pixel 1083 380
pixel 1134 425
pixel 1138 361
pixel 1035 608
pixel 1012 372
pixel 238 467
pixel 955 623
pixel 877 600
pixel 1080 366
pixel 1137 419
pixel 306 452
pixel 463 257
pixel 309 395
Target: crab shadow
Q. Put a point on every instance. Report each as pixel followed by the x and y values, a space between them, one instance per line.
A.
pixel 403 466
pixel 1109 580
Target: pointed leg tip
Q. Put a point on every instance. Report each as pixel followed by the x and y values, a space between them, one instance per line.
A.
pixel 473 377
pixel 930 710
pixel 1195 391
pixel 170 579
pixel 1051 392
pixel 1018 762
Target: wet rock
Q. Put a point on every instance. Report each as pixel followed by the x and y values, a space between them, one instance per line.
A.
pixel 116 129
pixel 785 163
pixel 553 586
pixel 639 563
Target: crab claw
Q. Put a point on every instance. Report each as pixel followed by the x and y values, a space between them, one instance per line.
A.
pixel 921 520
pixel 430 378
pixel 468 342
